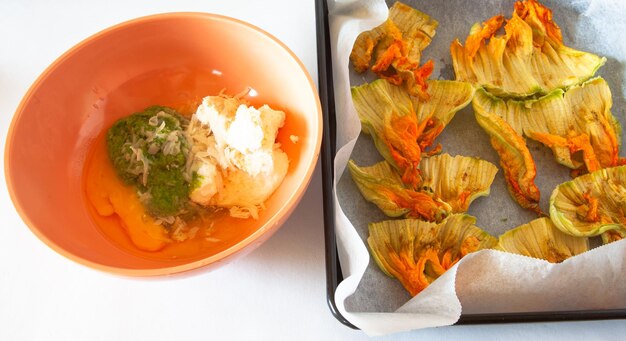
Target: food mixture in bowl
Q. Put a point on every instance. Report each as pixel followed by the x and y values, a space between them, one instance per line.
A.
pixel 169 179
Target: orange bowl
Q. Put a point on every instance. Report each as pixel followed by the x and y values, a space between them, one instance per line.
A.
pixel 172 59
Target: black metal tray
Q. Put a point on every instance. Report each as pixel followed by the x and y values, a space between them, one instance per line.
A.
pixel 333 267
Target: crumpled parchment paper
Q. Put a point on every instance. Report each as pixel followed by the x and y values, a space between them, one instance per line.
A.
pixel 487 281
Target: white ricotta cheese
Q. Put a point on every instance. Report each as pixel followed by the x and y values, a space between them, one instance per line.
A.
pixel 241 164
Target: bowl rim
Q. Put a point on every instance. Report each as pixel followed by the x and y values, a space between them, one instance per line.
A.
pixel 271 226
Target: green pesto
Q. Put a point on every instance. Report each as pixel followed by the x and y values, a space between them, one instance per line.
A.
pixel 166 190
pixel 196 180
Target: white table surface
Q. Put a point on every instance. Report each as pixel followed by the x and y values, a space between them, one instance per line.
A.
pixel 275 293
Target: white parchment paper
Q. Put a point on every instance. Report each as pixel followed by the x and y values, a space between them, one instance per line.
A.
pixel 487 281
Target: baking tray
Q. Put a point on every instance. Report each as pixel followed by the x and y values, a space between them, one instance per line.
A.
pixel 333 267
